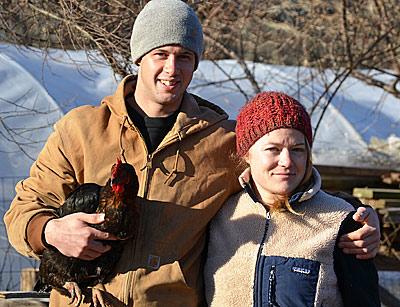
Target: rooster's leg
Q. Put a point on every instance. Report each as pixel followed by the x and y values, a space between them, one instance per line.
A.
pixel 97 296
pixel 75 293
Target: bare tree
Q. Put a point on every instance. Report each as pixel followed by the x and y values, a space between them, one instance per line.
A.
pixel 344 38
pixel 22 135
pixel 103 26
pixel 360 37
pixel 350 38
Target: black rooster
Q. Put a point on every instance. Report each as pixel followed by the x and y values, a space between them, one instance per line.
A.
pixel 117 200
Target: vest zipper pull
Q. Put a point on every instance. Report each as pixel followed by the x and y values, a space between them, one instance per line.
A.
pixel 271 286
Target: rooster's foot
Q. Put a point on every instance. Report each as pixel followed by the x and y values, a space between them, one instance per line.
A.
pixel 97 297
pixel 74 292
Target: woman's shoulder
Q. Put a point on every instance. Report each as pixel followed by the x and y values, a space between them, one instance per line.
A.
pixel 237 206
pixel 326 201
pixel 231 204
pixel 235 198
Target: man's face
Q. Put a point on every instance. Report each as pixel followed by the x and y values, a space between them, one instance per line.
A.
pixel 163 76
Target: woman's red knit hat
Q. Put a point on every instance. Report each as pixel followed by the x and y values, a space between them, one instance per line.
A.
pixel 266 112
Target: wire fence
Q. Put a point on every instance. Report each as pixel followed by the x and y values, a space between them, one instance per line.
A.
pixel 11 263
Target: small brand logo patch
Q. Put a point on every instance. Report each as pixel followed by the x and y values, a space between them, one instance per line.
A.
pixel 153 262
pixel 301 270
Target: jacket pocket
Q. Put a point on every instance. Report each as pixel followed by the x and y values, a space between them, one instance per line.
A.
pixel 162 285
pixel 289 281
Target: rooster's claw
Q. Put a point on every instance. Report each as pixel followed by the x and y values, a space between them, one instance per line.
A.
pixel 75 293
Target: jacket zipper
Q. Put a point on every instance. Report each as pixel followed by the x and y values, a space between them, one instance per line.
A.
pixel 271 287
pixel 260 267
pixel 149 163
pixel 129 281
pixel 147 167
pixel 147 170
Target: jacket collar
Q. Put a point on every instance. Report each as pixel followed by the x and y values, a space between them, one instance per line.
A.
pixel 195 113
pixel 245 178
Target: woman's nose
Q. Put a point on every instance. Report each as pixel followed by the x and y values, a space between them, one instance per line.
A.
pixel 284 158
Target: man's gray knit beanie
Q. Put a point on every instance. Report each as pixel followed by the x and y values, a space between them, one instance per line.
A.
pixel 166 22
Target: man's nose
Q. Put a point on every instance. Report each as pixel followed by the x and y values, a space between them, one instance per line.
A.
pixel 170 65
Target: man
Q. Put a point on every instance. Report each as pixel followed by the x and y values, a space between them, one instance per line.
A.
pixel 179 145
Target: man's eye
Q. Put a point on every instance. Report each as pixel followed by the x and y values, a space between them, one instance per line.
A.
pixel 186 57
pixel 160 54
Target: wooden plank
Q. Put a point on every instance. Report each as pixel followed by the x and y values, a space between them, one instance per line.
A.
pixel 374 203
pixel 23 294
pixel 23 303
pixel 381 203
pixel 28 278
pixel 335 178
pixel 391 202
pixel 376 193
pixel 351 171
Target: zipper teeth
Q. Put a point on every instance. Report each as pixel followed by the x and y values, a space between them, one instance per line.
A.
pixel 259 267
pixel 271 281
pixel 128 281
pixel 148 158
pixel 149 163
pixel 147 175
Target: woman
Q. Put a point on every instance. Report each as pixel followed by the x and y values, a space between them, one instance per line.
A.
pixel 275 243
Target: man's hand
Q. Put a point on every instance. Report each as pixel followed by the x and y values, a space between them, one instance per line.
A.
pixel 73 236
pixel 364 242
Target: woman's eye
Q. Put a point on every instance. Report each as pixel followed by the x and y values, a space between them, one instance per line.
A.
pixel 298 151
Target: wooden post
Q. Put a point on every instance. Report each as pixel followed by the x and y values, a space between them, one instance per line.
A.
pixel 28 278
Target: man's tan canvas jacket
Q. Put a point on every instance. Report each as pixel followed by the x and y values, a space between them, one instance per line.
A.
pixel 182 186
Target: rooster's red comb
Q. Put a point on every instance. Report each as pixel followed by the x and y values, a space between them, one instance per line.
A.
pixel 116 167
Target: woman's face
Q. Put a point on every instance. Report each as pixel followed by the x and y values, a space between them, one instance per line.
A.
pixel 278 163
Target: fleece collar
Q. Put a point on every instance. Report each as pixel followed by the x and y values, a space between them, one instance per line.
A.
pixel 245 177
